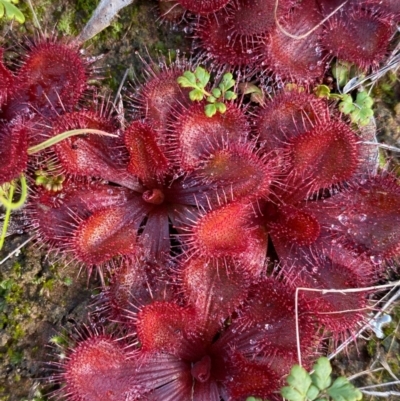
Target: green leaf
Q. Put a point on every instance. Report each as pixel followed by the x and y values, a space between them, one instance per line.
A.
pixel 202 75
pixel 230 95
pixel 1 10
pixel 196 95
pixel 322 91
pixel 13 12
pixel 246 88
pixel 299 380
pixel 341 72
pixel 210 110
pixel 312 393
pixel 184 82
pixel 322 373
pixel 216 93
pixel 343 390
pixel 346 106
pixel 291 394
pixel 211 99
pixel 364 100
pixel 221 107
pixel 191 77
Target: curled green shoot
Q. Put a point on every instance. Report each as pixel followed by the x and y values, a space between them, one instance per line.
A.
pixel 6 199
pixel 67 134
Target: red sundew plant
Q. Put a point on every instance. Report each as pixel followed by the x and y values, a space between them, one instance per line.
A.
pixel 180 205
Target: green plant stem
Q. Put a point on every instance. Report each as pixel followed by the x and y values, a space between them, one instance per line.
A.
pixel 7 216
pixel 67 134
pixel 7 200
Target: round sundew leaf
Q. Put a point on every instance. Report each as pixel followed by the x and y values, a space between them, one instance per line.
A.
pixel 221 232
pixel 324 156
pixel 215 288
pixel 13 150
pixel 165 327
pixel 204 6
pixel 345 35
pixel 92 155
pixel 98 370
pixel 55 214
pixel 160 97
pixel 294 226
pixel 6 81
pixel 107 233
pixel 236 173
pixel 296 60
pixel 198 135
pixel 51 80
pixel 336 268
pixel 366 217
pixel 254 17
pixel 245 376
pixel 147 161
pixel 287 115
pixel 215 35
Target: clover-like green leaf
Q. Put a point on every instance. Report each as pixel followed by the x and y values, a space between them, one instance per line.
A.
pixel 210 109
pixel 221 107
pixel 346 106
pixel 229 95
pixel 196 95
pixel 312 393
pixel 216 92
pixel 322 373
pixel 299 381
pixel 12 11
pixel 322 91
pixel 343 390
pixel 202 75
pixel 364 100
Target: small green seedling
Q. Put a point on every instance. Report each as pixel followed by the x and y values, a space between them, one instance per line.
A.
pixel 198 80
pixel 317 386
pixel 12 12
pixel 360 111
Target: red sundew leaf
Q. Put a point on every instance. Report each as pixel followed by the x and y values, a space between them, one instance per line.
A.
pixel 215 288
pixel 287 115
pixel 204 6
pixel 235 173
pixel 221 232
pixel 322 157
pixel 254 17
pixel 55 215
pixel 214 33
pixel 298 60
pixel 135 283
pixel 366 217
pixel 246 377
pixel 266 325
pixel 345 35
pixel 161 96
pixel 98 369
pixel 108 233
pixel 92 155
pixel 147 162
pixel 13 150
pixel 155 237
pixel 164 327
pixel 294 226
pixel 197 135
pixel 51 80
pixel 337 269
pixel 163 377
pixel 6 80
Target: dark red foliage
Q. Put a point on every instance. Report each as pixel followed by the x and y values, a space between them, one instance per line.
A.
pixel 360 34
